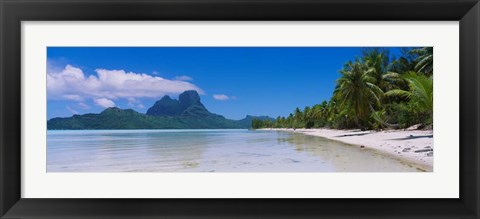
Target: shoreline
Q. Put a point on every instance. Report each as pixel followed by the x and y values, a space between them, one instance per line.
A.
pixel 414 147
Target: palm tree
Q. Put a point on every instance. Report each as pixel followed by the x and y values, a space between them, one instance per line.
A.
pixel 332 109
pixel 357 92
pixel 420 92
pixel 298 115
pixel 424 60
pixel 378 61
pixel 319 114
pixel 394 80
pixel 306 113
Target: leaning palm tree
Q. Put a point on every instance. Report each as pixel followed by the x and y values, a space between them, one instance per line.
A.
pixel 424 60
pixel 420 93
pixel 357 92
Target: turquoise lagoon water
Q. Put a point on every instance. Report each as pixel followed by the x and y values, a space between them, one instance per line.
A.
pixel 208 151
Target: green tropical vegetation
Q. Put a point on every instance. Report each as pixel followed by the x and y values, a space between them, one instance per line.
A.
pixel 374 91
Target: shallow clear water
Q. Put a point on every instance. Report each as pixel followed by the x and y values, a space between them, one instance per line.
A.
pixel 208 151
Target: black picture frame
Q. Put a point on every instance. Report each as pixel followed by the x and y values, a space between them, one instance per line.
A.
pixel 12 12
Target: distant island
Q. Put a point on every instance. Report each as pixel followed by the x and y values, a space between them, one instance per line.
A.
pixel 187 112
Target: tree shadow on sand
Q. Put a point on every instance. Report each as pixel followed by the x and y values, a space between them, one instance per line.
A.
pixel 357 134
pixel 412 137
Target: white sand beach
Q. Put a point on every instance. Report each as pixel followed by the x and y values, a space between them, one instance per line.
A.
pixel 412 146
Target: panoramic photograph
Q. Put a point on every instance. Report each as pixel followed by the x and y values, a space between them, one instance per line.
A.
pixel 239 109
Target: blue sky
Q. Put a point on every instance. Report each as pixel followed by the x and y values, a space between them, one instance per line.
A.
pixel 232 81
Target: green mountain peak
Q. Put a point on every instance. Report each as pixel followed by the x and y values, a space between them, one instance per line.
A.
pixel 185 113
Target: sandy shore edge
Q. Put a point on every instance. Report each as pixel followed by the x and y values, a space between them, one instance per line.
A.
pixel 414 147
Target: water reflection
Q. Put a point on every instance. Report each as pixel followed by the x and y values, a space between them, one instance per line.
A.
pixel 345 157
pixel 207 151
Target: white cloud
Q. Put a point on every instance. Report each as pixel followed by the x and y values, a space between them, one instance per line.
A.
pixel 220 97
pixel 132 102
pixel 104 102
pixel 183 78
pixel 71 84
pixel 73 97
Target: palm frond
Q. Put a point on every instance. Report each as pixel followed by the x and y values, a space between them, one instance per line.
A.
pixel 398 93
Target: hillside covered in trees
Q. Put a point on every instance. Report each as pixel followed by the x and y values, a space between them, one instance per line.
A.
pixel 374 91
pixel 187 112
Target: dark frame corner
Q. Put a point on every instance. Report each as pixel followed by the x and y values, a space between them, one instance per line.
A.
pixel 12 12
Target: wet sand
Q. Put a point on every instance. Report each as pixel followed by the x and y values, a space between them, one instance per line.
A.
pixel 414 147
